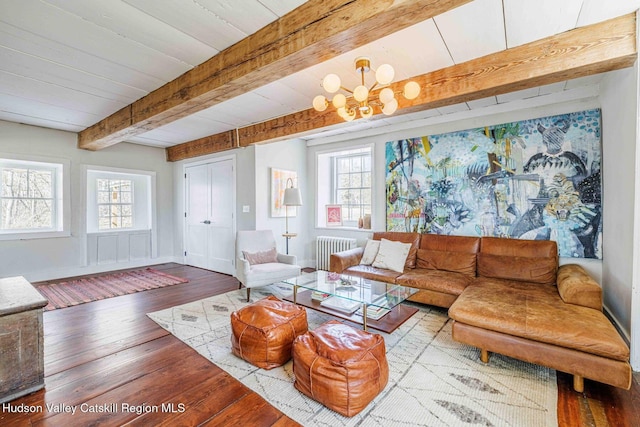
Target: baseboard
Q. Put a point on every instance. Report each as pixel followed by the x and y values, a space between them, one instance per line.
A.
pixel 307 263
pixel 40 276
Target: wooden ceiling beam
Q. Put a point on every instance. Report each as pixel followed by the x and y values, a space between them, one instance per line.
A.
pixel 593 49
pixel 314 32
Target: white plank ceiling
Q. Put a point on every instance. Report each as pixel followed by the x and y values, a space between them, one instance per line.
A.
pixel 67 64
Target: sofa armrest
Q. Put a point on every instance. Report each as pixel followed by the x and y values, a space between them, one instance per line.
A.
pixel 340 261
pixel 577 287
pixel 242 269
pixel 287 259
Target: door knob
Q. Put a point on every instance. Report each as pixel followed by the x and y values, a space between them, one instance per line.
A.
pixel 206 222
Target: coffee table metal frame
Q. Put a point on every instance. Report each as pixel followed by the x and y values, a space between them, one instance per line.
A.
pixel 369 293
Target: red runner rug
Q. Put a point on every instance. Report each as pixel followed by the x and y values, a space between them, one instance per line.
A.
pixel 74 292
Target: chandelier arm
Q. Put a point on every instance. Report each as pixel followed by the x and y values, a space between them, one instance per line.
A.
pixel 372 87
pixel 345 89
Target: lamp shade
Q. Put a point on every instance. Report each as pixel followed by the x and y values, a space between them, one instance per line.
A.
pixel 390 107
pixel 331 83
pixel 339 100
pixel 384 74
pixel 386 95
pixel 292 197
pixel 320 103
pixel 411 90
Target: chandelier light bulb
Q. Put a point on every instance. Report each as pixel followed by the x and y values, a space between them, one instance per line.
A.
pixel 384 74
pixel 390 108
pixel 331 83
pixel 411 90
pixel 367 113
pixel 361 93
pixel 342 112
pixel 386 95
pixel 339 100
pixel 320 103
pixel 350 115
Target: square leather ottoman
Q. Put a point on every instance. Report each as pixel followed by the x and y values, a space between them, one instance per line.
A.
pixel 341 367
pixel 263 332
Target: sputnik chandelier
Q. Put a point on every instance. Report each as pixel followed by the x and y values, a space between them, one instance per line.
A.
pixel 358 100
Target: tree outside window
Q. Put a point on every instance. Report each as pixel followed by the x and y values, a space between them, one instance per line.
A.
pixel 27 197
pixel 115 203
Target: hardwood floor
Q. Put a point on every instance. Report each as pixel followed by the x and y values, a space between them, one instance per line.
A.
pixel 108 354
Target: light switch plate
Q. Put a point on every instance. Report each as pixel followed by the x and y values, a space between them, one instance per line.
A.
pixel 245 208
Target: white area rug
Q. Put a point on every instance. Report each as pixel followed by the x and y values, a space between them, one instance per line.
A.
pixel 433 380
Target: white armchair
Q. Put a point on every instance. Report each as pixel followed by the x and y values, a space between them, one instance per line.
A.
pixel 256 244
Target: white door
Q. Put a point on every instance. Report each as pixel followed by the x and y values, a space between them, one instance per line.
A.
pixel 209 222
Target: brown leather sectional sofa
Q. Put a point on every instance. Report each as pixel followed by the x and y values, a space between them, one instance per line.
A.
pixel 510 297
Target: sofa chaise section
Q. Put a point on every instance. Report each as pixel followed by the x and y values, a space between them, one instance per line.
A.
pixel 522 305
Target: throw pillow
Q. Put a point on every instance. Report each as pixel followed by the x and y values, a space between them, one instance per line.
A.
pixel 370 252
pixel 392 255
pixel 261 257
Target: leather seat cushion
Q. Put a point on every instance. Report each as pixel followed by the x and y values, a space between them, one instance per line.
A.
pixel 514 259
pixel 435 280
pixel 372 273
pixel 451 253
pixel 263 332
pixel 536 312
pixel 341 367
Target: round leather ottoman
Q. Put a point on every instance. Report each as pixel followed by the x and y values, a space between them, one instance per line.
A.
pixel 341 367
pixel 263 332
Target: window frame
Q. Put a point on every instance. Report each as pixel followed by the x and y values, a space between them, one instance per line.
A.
pixel 346 217
pixel 144 214
pixel 61 198
pixel 120 203
pixel 326 183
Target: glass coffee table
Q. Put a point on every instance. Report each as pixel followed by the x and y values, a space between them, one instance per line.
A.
pixel 371 303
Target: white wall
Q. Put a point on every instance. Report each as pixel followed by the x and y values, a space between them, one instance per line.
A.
pixel 619 98
pixel 288 155
pixel 42 259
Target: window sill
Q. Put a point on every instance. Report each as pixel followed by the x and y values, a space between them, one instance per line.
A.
pixel 361 230
pixel 119 231
pixel 34 235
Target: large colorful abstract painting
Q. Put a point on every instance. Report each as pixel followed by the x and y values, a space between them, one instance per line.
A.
pixel 533 179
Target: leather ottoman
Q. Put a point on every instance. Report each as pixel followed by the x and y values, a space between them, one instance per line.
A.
pixel 341 367
pixel 263 332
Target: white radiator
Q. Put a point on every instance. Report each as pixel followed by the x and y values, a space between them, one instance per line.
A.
pixel 326 245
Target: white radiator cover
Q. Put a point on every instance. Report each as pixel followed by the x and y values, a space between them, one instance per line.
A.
pixel 327 245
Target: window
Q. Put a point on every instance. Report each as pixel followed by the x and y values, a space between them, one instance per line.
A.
pixel 30 197
pixel 119 199
pixel 344 178
pixel 115 203
pixel 352 185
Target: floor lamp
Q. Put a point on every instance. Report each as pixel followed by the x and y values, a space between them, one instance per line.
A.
pixel 292 197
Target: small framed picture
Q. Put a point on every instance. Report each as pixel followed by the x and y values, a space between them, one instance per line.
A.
pixel 334 215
